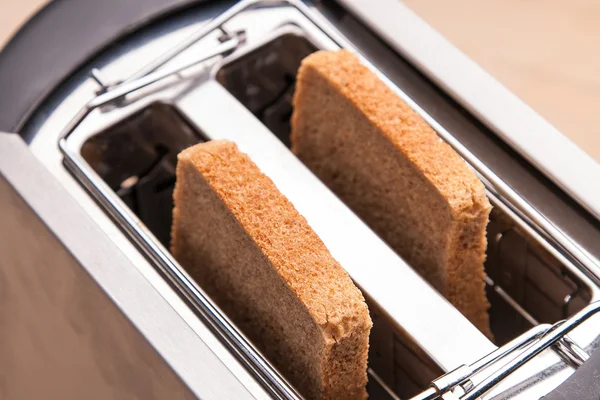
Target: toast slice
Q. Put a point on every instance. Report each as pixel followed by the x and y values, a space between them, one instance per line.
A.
pixel 259 260
pixel 392 169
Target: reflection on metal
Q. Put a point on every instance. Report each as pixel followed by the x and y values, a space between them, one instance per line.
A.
pixel 520 351
pixel 239 85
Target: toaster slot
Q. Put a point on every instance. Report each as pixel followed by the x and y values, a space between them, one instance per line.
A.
pixel 132 148
pixel 264 80
pixel 137 159
pixel 526 284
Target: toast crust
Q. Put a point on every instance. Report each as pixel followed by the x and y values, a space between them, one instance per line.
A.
pixel 384 161
pixel 259 260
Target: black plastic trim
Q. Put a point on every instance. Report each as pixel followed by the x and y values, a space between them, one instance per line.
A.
pixel 58 40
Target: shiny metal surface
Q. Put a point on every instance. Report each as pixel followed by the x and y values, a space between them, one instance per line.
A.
pixel 262 371
pixel 463 375
pixel 516 123
pixel 267 89
pixel 520 350
pixel 126 88
pixel 212 25
pixel 45 149
pixel 553 335
pixel 558 216
pixel 571 352
pixel 439 343
pixel 78 319
pixel 382 282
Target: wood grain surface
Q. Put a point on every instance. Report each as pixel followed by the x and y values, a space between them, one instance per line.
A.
pixel 545 51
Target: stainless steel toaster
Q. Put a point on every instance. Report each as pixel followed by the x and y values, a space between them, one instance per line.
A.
pixel 94 302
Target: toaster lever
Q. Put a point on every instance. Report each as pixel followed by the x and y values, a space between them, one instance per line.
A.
pixel 526 347
pixel 460 377
pixel 125 88
pixel 215 24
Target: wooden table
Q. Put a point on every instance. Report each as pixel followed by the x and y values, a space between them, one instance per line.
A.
pixel 545 51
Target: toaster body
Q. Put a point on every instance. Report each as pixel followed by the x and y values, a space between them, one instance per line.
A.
pixel 92 181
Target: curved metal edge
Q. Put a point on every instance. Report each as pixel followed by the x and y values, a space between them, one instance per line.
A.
pixel 61 38
pixel 511 119
pixel 187 354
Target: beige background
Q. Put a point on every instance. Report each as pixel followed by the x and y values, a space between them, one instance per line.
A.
pixel 13 13
pixel 545 51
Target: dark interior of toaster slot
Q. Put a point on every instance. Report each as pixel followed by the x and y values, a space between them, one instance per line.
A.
pixel 264 80
pixel 525 284
pixel 137 159
pixel 521 271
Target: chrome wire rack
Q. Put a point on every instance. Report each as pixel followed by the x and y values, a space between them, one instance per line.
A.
pixel 457 384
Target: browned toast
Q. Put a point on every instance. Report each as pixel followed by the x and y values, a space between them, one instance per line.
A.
pixel 391 168
pixel 259 260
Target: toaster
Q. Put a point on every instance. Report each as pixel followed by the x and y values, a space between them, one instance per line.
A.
pixel 93 305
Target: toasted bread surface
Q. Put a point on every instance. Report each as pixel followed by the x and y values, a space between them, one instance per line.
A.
pixel 384 161
pixel 257 257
